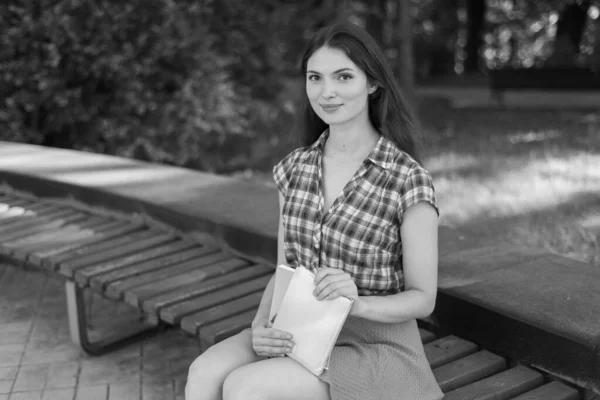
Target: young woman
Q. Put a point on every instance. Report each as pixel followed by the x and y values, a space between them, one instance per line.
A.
pixel 357 208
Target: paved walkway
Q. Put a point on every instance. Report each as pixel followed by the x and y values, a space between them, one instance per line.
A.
pixel 38 360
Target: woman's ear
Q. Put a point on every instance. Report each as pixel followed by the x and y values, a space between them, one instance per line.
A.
pixel 372 88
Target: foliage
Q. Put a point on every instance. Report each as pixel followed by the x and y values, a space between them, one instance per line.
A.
pixel 522 33
pixel 139 78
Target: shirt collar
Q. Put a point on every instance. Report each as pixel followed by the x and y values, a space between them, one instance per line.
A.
pixel 382 154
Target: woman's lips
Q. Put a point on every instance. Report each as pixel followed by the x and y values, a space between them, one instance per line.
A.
pixel 330 108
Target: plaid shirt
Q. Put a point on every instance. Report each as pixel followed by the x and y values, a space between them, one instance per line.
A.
pixel 361 232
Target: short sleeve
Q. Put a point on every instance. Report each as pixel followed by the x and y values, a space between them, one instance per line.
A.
pixel 282 171
pixel 417 187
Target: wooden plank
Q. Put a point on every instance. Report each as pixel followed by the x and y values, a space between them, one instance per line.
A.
pixel 111 249
pixel 83 275
pixel 143 268
pixel 193 322
pixel 92 224
pixel 50 257
pixel 221 330
pixel 175 312
pixel 502 386
pixel 118 281
pixel 43 230
pixel 468 369
pixel 448 349
pixel 154 304
pixel 199 276
pixel 551 391
pixel 17 216
pixel 29 218
pixel 64 234
pixel 426 336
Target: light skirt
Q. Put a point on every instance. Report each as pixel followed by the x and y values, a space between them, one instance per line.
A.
pixel 380 361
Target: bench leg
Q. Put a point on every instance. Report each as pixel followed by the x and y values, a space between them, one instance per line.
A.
pixel 78 325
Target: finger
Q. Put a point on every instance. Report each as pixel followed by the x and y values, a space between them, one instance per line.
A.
pixel 332 291
pixel 277 334
pixel 273 342
pixel 330 280
pixel 324 272
pixel 270 350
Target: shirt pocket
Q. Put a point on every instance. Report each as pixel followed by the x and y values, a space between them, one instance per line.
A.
pixel 372 268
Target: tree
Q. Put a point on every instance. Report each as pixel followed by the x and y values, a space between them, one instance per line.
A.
pixel 405 64
pixel 475 24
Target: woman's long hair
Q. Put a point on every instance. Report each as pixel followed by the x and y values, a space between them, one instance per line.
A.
pixel 389 111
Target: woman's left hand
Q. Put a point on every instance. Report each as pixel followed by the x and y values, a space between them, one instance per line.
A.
pixel 331 283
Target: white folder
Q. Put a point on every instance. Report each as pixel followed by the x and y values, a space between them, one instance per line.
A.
pixel 314 324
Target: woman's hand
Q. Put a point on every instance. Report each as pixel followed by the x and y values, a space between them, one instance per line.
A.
pixel 269 342
pixel 331 283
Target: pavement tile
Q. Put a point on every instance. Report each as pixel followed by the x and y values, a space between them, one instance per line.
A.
pixel 8 373
pixel 59 394
pixel 124 391
pixel 51 352
pixel 26 395
pixel 17 311
pixel 157 390
pixel 99 392
pixel 117 366
pixel 31 377
pixel 62 375
pixel 14 332
pixel 10 354
pixel 6 386
pixel 3 397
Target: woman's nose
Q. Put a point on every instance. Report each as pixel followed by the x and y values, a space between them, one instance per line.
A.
pixel 328 89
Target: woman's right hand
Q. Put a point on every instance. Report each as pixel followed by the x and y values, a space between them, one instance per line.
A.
pixel 270 342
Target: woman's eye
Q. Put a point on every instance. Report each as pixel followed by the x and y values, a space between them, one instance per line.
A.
pixel 345 77
pixel 313 78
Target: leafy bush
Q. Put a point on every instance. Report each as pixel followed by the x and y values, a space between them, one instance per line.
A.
pixel 140 78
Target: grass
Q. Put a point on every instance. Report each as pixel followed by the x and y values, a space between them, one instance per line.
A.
pixel 514 176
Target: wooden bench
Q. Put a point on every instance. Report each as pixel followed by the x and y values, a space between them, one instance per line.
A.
pixel 176 280
pixel 546 78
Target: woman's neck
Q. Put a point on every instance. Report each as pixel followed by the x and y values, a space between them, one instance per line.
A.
pixel 352 139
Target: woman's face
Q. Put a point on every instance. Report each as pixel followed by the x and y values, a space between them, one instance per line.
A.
pixel 337 89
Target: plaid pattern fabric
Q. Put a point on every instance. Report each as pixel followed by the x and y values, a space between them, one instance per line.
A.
pixel 361 232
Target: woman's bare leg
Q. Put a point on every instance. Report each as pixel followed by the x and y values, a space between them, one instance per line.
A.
pixel 208 372
pixel 279 378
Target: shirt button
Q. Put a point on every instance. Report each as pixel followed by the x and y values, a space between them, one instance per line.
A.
pixel 317 245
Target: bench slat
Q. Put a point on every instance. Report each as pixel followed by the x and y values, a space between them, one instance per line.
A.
pixel 119 247
pixel 551 391
pixel 35 255
pixel 426 336
pixel 59 236
pixel 220 330
pixel 468 369
pixel 117 282
pixel 222 269
pixel 20 214
pixel 105 239
pixel 193 322
pixel 154 304
pixel 502 386
pixel 148 253
pixel 20 228
pixel 448 349
pixel 173 314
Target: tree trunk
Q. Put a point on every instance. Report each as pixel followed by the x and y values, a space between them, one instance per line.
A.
pixel 475 23
pixel 376 20
pixel 405 64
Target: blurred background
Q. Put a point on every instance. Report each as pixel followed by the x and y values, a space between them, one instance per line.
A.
pixel 214 85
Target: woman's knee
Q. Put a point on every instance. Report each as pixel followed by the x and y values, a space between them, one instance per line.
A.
pixel 239 384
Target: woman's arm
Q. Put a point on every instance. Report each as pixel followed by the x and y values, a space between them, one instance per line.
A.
pixel 264 308
pixel 419 234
